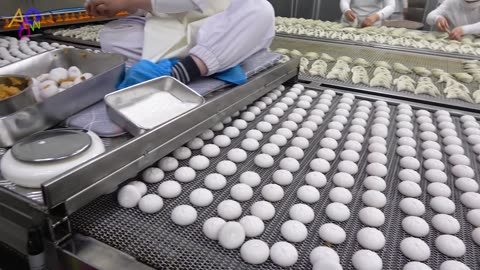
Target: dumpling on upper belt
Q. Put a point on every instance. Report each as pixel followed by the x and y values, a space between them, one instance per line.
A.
pixel 401 68
pixel 345 59
pixel 327 58
pixel 312 56
pixel 421 71
pixel 463 77
pixel 362 62
pixel 382 64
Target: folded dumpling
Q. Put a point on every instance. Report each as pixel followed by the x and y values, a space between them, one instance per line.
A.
pixel 401 68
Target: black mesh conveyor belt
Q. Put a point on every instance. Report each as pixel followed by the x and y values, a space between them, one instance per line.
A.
pixel 155 240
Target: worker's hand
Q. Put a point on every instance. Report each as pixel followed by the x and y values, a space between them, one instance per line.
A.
pixel 371 20
pixel 106 7
pixel 442 24
pixel 456 33
pixel 350 15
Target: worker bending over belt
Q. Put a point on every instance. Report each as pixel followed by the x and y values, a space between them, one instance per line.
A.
pixel 186 39
pixel 458 17
pixel 363 13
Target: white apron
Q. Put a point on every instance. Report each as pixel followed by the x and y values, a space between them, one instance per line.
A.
pixel 168 36
pixel 363 9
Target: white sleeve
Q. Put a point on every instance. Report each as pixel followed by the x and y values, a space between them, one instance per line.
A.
pixel 345 5
pixel 388 10
pixel 228 38
pixel 177 6
pixel 471 29
pixel 442 10
pixel 405 3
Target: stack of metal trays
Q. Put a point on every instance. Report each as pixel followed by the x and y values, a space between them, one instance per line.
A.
pixel 410 60
pixel 156 241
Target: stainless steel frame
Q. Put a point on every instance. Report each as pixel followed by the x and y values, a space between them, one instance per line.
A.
pixel 78 187
pixel 381 46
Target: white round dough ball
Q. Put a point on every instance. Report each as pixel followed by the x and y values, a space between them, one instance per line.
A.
pixel 376 169
pixel 439 189
pixel 153 175
pixel 168 164
pixel 231 235
pixel 129 196
pixel 226 167
pixel 295 117
pixel 169 189
pixel 294 231
pixel 374 198
pixel 272 119
pixel 342 179
pixel 366 260
pixel 452 140
pixel 263 209
pixel 458 159
pixel 270 149
pixel 340 195
pixel 207 135
pixel 255 251
pixel 332 233
pixel 410 142
pixel 338 212
pixel 201 197
pixel 212 227
pixel 371 216
pixel 409 175
pixel 412 207
pixel 453 265
pixel 300 142
pixel 283 254
pixel 222 141
pixel 371 238
pixel 294 152
pixel 241 192
pixel 476 236
pixel 254 134
pixel 471 200
pixel 285 132
pixel 210 150
pixel 375 183
pixel 278 140
pixel 231 132
pixel 195 143
pixel 184 215
pixel 409 163
pixel 323 253
pixel 310 125
pixel 289 164
pixel 185 174
pixel 272 192
pixel 252 225
pixel 229 209
pixel 264 161
pixel 329 143
pixel 290 125
pixel 320 165
pixel 199 162
pixel 240 124
pixel 450 245
pixel 463 171
pixel 445 224
pixel 282 177
pixel 348 166
pixel 250 178
pixel 316 179
pixel 376 157
pixel 466 184
pixel 356 137
pixel 415 226
pixel 182 153
pixel 454 149
pixel 442 205
pixel 264 126
pixel 406 151
pixel 473 216
pixel 377 147
pixel 276 111
pixel 215 181
pixel 308 194
pixel 218 126
pixel 326 154
pixel 350 155
pixel 433 164
pixel 302 213
pixel 248 116
pixel 415 249
pixel 237 155
pixel 409 189
pixel 305 133
pixel 434 175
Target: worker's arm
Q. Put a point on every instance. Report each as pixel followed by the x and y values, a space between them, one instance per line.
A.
pixel 471 29
pixel 439 12
pixel 387 11
pixel 111 7
pixel 345 5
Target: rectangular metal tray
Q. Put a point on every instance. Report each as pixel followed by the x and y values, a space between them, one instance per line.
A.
pixel 451 65
pixel 175 96
pixel 106 68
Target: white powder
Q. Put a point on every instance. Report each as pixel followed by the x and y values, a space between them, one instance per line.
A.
pixel 155 109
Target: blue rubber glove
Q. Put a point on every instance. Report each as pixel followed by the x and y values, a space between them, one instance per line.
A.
pixel 146 70
pixel 234 75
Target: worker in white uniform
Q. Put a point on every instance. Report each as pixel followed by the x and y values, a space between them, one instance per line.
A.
pixel 457 17
pixel 206 36
pixel 363 13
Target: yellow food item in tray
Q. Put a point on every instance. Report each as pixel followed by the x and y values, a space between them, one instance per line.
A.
pixel 8 91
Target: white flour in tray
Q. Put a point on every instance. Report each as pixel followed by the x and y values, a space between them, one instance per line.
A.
pixel 156 109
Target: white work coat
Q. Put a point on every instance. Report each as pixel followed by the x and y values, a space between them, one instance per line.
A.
pixel 365 8
pixel 459 14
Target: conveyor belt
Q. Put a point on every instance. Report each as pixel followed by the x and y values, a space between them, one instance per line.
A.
pixel 156 241
pixel 409 59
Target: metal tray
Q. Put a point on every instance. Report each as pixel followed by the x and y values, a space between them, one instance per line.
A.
pixel 107 70
pixel 173 96
pixel 156 241
pixel 409 59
